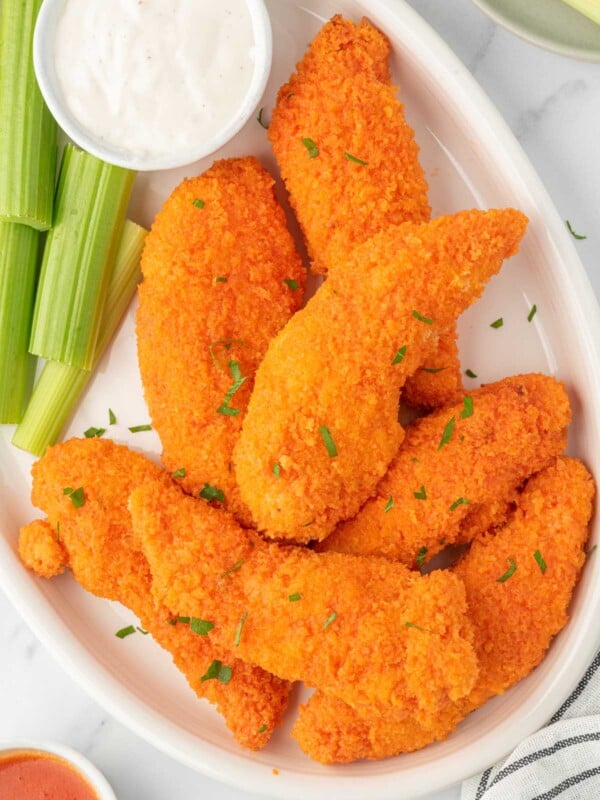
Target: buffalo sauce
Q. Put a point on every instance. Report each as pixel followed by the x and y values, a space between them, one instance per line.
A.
pixel 37 775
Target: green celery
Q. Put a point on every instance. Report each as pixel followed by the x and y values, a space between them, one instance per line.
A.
pixel 91 202
pixel 28 131
pixel 59 386
pixel 19 247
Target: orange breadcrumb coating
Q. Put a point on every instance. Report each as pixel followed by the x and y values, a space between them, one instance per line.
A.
pixel 347 632
pixel 41 550
pixel 517 427
pixel 105 558
pixel 342 99
pixel 332 368
pixel 191 324
pixel 438 381
pixel 514 620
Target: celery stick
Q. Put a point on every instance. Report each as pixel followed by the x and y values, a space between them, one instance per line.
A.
pixel 60 386
pixel 19 246
pixel 27 129
pixel 590 8
pixel 91 201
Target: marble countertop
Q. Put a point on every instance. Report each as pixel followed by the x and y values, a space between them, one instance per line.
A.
pixel 552 105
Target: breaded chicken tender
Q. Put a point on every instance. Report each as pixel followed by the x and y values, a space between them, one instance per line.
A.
pixel 322 424
pixel 519 584
pixel 451 463
pixel 221 278
pixel 97 542
pixel 348 625
pixel 346 154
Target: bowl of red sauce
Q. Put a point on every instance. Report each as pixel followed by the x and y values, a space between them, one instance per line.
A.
pixel 40 770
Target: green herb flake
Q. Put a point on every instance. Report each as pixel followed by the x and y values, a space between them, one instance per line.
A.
pixel 227 343
pixel 421 494
pixel 572 232
pixel 142 631
pixel 470 374
pixel 461 501
pixel 421 555
pixel 221 279
pixel 235 567
pixel 509 572
pixel 179 473
pixel 291 283
pixel 125 632
pixel 140 428
pixel 497 323
pixel 421 318
pixel 58 531
pixel 447 433
pixel 532 313
pixel 355 160
pixel 198 203
pixel 240 628
pixel 77 496
pixel 261 121
pixel 313 150
pixel 277 470
pixel 331 618
pixel 217 670
pixel 94 433
pixel 172 622
pixel 210 493
pixel 540 561
pixel 201 626
pixel 399 355
pixel 415 459
pixel 389 505
pixel 308 524
pixel 184 620
pixel 262 729
pixel 293 598
pixel 467 408
pixel 414 625
pixel 328 441
pixel 67 490
pixel 238 381
pixel 432 370
pixel 112 419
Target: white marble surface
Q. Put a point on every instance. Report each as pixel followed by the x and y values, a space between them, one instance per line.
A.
pixel 553 106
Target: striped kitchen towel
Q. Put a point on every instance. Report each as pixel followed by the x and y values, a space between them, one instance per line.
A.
pixel 561 760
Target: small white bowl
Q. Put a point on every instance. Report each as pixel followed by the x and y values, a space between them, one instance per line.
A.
pixel 84 767
pixel 44 64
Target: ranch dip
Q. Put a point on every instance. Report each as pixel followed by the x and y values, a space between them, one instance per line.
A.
pixel 154 77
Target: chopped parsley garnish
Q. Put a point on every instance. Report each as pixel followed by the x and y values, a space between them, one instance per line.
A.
pixel 308 524
pixel 125 632
pixel 421 555
pixel 140 428
pixel 261 121
pixel 389 505
pixel 218 671
pixel 432 370
pixel 179 473
pixel 497 323
pixel 112 419
pixel 142 631
pixel 93 433
pixel 572 232
pixel 355 160
pixel 240 627
pixel 421 494
pixel 184 620
pixel 447 433
pixel 328 441
pixel 313 150
pixel 235 567
pixel 415 459
pixel 331 618
pixel 221 279
pixel 77 496
pixel 198 203
pixel 201 626
pixel 467 408
pixel 293 285
pixel 238 381
pixel 262 729
pixel 399 355
pixel 58 531
pixel 509 572
pixel 418 316
pixel 293 598
pixel 462 501
pixel 470 374
pixel 277 470
pixel 532 313
pixel 226 344
pixel 210 493
pixel 414 625
pixel 540 561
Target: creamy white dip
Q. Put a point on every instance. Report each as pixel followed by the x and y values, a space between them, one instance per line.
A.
pixel 154 77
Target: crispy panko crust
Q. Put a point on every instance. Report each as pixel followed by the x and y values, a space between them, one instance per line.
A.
pixel 98 544
pixel 517 427
pixel 514 620
pixel 438 381
pixel 337 368
pixel 334 621
pixel 191 324
pixel 342 99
